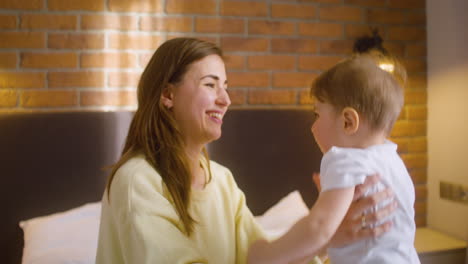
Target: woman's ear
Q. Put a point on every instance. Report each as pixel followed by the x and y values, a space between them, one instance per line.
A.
pixel 167 96
pixel 350 120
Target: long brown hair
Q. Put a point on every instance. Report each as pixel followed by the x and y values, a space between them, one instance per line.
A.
pixel 153 130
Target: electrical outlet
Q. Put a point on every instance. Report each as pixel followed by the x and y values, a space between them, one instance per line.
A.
pixel 454 192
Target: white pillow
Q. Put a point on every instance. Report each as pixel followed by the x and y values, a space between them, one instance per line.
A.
pixel 283 215
pixel 61 238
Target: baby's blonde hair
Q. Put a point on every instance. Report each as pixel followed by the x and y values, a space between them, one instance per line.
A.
pixel 358 82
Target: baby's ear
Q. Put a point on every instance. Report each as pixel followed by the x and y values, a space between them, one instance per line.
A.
pixel 350 120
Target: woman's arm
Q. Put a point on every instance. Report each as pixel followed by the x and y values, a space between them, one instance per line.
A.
pixel 350 229
pixel 309 234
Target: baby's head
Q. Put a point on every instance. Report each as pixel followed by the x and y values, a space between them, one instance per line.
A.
pixel 361 84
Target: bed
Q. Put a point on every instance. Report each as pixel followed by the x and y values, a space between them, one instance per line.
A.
pixel 53 162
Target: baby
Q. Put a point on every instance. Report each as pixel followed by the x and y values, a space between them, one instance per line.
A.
pixel 356 105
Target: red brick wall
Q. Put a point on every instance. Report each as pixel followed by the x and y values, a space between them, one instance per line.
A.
pixel 88 54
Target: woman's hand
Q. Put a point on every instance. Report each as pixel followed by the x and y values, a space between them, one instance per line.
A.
pixel 351 228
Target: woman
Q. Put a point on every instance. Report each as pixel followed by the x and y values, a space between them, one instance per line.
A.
pixel 165 202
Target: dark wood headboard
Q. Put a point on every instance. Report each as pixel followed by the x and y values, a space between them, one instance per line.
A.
pixel 271 153
pixel 52 162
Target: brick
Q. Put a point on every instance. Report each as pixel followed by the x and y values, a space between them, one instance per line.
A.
pixel 293 79
pixel 336 47
pixel 271 27
pixel 134 41
pixel 243 8
pixel 421 221
pixel 396 49
pixel 416 82
pixel 171 24
pixel 318 62
pixel 420 208
pixel 117 22
pixel 415 65
pixel 294 45
pixel 321 1
pixel 374 3
pixel 150 6
pixel 76 41
pixel 248 79
pixel 234 61
pixel 84 79
pixel 49 98
pixel 244 44
pixel 49 60
pixel 22 4
pixel 417 112
pixel 305 98
pixel 416 145
pixel 320 29
pixel 416 50
pixel 354 31
pixel 407 33
pixel 237 96
pixel 219 25
pixel 272 97
pixel 418 18
pixel 416 97
pixel 8 60
pixel 380 16
pixel 292 11
pixel 108 60
pixel 415 161
pixel 207 7
pixel 144 58
pixel 8 98
pixel 403 114
pixel 7 22
pixel 22 80
pixel 340 13
pixel 407 4
pixel 421 192
pixel 124 79
pixel 402 144
pixel 409 129
pixel 22 40
pixel 35 21
pixel 271 62
pixel 208 38
pixel 111 98
pixel 419 176
pixel 71 5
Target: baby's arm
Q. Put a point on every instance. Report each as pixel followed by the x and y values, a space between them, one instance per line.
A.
pixel 309 234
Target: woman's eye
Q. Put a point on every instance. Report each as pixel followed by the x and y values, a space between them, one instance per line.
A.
pixel 316 115
pixel 211 85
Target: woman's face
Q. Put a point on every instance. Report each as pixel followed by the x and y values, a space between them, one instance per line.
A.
pixel 326 127
pixel 200 100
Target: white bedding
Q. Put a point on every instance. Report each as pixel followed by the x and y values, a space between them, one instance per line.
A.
pixel 70 237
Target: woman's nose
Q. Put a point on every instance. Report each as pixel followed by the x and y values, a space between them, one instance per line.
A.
pixel 223 98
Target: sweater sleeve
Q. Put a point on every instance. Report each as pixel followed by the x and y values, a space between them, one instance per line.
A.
pixel 247 228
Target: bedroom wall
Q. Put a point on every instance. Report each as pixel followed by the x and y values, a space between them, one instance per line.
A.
pixel 88 54
pixel 448 112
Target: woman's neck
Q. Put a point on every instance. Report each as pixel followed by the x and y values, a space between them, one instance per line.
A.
pixel 196 169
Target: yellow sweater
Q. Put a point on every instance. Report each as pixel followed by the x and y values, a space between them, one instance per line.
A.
pixel 140 225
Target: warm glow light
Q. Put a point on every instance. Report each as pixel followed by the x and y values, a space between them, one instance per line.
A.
pixel 387 67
